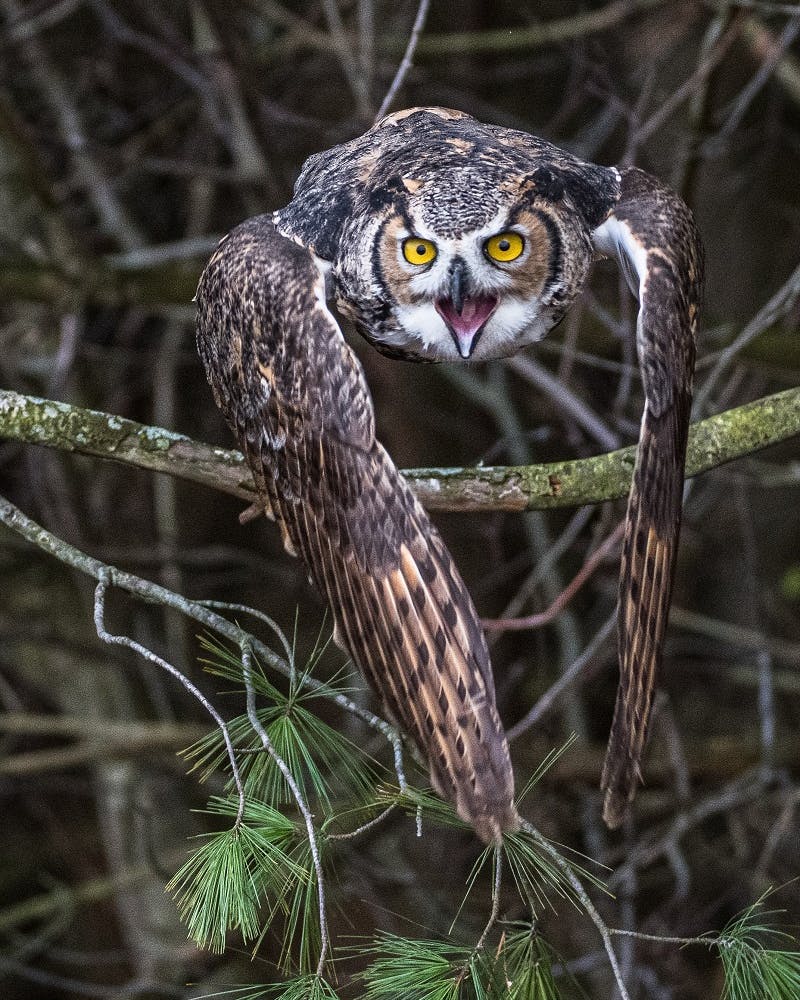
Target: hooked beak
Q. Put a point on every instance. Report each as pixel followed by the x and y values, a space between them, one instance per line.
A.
pixel 465 315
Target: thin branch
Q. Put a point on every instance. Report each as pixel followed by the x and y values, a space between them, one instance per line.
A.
pixel 690 86
pixel 566 680
pixel 770 62
pixel 733 634
pixel 106 739
pixel 712 442
pixel 496 883
pixel 570 404
pixel 513 38
pixel 557 606
pixel 546 563
pixel 762 41
pixel 408 55
pixel 569 872
pixel 369 825
pixel 94 183
pixel 743 790
pixel 153 593
pixel 262 617
pixel 347 60
pixel 781 303
pixel 104 580
pixel 255 722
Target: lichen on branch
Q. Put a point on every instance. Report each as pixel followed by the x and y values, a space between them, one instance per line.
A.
pixel 712 442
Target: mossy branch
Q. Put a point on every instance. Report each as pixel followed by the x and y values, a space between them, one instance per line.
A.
pixel 712 442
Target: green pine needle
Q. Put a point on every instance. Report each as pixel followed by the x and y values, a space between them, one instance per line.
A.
pixel 301 937
pixel 413 800
pixel 223 884
pixel 527 964
pixel 300 988
pixel 319 757
pixel 305 988
pixel 536 875
pixel 544 766
pixel 755 967
pixel 405 969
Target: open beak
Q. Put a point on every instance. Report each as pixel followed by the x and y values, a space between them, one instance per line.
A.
pixel 464 314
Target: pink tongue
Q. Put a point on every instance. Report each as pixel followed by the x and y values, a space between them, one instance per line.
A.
pixel 466 324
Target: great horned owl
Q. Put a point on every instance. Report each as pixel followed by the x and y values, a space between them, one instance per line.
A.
pixel 445 239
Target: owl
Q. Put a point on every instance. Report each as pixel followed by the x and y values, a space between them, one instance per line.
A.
pixel 445 239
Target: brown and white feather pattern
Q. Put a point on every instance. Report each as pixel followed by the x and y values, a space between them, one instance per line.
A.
pixel 295 396
pixel 653 233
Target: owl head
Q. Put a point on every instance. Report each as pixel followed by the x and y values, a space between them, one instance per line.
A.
pixel 449 239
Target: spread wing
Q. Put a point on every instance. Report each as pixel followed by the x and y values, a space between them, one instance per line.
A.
pixel 295 396
pixel 652 234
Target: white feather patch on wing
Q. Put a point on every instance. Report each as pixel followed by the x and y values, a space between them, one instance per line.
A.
pixel 616 239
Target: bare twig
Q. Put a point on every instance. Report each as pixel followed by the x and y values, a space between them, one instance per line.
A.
pixel 781 303
pixel 761 41
pixel 496 882
pixel 365 827
pixel 567 401
pixel 408 55
pixel 347 59
pixel 545 564
pixel 770 62
pixel 690 86
pixel 535 36
pixel 113 217
pixel 557 606
pixel 736 635
pixel 103 583
pixel 279 633
pixel 782 825
pixel 106 739
pixel 741 791
pixel 566 680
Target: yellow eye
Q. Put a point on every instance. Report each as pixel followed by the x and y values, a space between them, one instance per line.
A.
pixel 504 246
pixel 419 251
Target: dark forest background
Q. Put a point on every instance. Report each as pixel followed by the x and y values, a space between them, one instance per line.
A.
pixel 132 136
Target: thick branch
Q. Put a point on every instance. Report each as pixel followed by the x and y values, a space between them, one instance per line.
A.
pixel 712 442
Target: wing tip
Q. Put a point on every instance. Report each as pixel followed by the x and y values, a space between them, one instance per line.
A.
pixel 491 827
pixel 619 783
pixel 615 808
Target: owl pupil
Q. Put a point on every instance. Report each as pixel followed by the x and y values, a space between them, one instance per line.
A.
pixel 504 245
pixel 421 249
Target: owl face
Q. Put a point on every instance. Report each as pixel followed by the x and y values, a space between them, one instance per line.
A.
pixel 460 277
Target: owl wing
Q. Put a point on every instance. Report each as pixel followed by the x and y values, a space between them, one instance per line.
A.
pixel 295 396
pixel 652 234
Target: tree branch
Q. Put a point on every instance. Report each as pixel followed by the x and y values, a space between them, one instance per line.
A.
pixel 534 36
pixel 153 593
pixel 712 442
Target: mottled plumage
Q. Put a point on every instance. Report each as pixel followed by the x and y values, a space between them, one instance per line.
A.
pixel 294 394
pixel 442 239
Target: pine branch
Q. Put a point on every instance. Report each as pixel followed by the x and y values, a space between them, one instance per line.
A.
pixel 712 442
